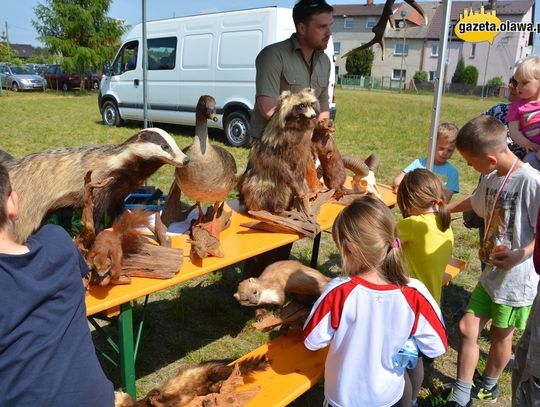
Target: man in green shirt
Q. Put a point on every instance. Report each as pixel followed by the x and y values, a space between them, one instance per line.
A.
pixel 296 63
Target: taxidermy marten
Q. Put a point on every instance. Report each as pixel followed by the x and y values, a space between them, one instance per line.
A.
pixel 54 179
pixel 191 382
pixel 105 256
pixel 276 281
pixel 324 145
pixel 276 169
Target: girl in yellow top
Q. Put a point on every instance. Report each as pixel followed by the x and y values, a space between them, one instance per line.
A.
pixel 426 239
pixel 425 233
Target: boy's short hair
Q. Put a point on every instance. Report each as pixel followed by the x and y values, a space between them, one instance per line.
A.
pixel 447 132
pixel 481 136
pixel 304 9
pixel 528 69
pixel 5 191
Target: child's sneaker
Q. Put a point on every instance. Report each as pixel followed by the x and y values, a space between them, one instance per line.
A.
pixel 480 392
pixel 441 400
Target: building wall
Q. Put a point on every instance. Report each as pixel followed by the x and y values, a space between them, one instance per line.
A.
pixel 491 60
pixel 506 49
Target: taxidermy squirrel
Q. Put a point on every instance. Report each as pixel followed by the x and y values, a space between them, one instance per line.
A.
pixel 105 256
pixel 277 280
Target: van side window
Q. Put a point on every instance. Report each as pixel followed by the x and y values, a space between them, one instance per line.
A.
pixel 126 59
pixel 162 53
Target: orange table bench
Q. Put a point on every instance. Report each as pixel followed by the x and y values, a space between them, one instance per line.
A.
pixel 238 243
pixel 293 369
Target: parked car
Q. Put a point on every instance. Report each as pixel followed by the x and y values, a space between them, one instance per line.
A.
pixel 20 78
pixel 58 78
pixel 39 69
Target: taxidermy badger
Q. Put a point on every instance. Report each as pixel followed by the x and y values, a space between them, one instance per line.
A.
pixel 54 179
pixel 277 162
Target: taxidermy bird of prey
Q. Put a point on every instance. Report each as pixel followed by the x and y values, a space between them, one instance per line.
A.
pixel 379 28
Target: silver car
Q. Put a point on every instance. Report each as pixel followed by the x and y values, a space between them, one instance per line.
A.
pixel 20 78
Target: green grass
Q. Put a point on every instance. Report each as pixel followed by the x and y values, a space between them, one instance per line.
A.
pixel 201 320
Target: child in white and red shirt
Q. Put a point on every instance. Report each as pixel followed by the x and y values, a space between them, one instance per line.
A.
pixel 368 315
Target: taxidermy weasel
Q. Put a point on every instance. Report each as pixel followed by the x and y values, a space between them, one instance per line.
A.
pixel 105 256
pixel 51 180
pixel 324 145
pixel 191 382
pixel 278 279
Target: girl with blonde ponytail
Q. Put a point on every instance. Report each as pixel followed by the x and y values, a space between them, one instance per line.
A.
pixel 368 314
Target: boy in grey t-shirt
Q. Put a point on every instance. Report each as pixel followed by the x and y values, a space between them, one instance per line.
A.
pixel 507 198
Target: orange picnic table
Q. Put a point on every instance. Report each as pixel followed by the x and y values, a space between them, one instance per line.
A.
pixel 238 243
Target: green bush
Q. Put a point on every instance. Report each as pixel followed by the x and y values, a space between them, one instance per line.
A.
pixel 360 62
pixel 421 76
pixel 470 75
pixel 495 82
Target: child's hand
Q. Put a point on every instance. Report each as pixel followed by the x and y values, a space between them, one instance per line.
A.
pixel 506 259
pixel 530 146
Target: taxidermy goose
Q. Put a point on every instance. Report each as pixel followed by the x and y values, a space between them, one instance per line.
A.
pixel 211 173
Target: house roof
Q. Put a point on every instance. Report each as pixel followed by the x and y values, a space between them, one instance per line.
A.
pixel 23 50
pixel 502 8
pixel 367 10
pixel 415 27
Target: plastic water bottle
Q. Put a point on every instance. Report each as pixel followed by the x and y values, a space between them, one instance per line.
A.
pixel 407 356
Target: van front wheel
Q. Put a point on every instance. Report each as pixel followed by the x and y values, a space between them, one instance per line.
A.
pixel 237 128
pixel 111 115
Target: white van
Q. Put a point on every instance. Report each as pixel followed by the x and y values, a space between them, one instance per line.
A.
pixel 212 54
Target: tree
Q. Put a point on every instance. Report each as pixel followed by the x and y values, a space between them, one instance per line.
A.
pixel 470 75
pixel 458 74
pixel 8 54
pixel 41 56
pixel 360 62
pixel 79 31
pixel 421 76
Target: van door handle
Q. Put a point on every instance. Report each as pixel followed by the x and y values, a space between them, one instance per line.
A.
pixel 136 82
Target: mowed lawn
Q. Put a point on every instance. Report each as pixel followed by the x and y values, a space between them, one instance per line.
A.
pixel 201 320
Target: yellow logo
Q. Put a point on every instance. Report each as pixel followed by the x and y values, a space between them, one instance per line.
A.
pixel 477 26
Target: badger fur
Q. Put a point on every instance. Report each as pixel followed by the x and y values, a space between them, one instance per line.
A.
pixel 54 179
pixel 277 162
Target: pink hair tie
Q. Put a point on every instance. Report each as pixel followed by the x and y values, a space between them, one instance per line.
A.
pixel 396 244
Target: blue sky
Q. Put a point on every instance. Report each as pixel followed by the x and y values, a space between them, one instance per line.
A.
pixel 20 13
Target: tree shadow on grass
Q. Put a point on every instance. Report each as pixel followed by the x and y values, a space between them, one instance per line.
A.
pixel 183 320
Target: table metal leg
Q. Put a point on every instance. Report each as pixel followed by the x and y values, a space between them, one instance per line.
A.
pixel 127 353
pixel 315 250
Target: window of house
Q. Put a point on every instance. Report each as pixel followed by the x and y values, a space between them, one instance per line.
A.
pixel 348 23
pixel 473 50
pixel 337 47
pixel 434 50
pixel 398 74
pixel 371 23
pixel 401 49
pixel 432 75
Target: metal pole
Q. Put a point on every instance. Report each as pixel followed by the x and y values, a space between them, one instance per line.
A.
pixel 402 57
pixel 439 82
pixel 145 65
pixel 485 71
